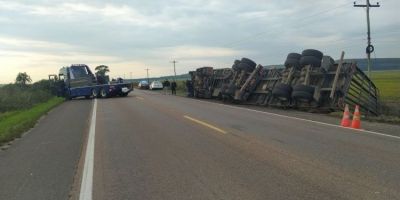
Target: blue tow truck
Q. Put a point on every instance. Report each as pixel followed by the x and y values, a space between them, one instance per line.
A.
pixel 78 80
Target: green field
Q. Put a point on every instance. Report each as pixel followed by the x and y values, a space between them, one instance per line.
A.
pixel 388 83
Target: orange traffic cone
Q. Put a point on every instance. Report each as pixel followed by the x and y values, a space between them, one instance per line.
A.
pixel 356 123
pixel 346 117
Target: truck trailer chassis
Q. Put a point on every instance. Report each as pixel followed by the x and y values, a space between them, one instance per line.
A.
pixel 310 81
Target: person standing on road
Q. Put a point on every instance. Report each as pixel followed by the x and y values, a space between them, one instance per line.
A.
pixel 166 85
pixel 173 88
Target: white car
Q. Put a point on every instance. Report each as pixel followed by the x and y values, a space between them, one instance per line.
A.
pixel 156 85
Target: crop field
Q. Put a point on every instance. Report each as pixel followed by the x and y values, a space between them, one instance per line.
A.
pixel 388 83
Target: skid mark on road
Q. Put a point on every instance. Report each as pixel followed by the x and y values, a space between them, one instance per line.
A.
pixel 205 124
pixel 87 176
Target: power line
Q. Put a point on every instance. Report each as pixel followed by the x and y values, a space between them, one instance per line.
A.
pixel 231 44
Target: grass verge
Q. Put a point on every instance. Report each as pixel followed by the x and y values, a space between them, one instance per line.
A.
pixel 13 124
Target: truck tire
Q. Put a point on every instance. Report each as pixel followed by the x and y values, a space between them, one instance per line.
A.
pixel 236 64
pixel 291 62
pixel 295 56
pixel 302 96
pixel 94 93
pixel 282 91
pixel 304 88
pixel 251 63
pixel 246 67
pixel 103 93
pixel 310 60
pixel 312 52
pixel 68 96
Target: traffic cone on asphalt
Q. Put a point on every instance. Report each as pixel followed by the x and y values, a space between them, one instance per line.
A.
pixel 356 123
pixel 346 117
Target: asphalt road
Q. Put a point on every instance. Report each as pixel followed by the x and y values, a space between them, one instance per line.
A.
pixel 42 164
pixel 154 146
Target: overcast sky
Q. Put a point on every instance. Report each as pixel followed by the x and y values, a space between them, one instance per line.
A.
pixel 40 36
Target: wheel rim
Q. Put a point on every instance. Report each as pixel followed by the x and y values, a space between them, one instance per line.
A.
pixel 94 94
pixel 103 93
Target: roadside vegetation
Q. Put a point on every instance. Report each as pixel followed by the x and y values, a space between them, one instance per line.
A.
pixel 14 123
pixel 22 104
pixel 388 82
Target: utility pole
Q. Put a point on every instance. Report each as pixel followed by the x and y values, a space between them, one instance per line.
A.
pixel 174 61
pixel 369 48
pixel 147 70
pixel 130 75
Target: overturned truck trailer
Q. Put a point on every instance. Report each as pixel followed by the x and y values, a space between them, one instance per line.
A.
pixel 202 79
pixel 245 77
pixel 310 81
pixel 221 78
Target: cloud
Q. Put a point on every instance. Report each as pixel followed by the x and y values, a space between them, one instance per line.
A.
pixel 190 52
pixel 104 13
pixel 23 43
pixel 130 35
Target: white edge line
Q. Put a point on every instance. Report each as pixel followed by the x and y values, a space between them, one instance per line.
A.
pixel 87 175
pixel 300 119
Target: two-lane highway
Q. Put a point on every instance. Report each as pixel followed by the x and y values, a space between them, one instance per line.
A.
pixel 154 146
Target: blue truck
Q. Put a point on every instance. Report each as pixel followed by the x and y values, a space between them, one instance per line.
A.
pixel 78 80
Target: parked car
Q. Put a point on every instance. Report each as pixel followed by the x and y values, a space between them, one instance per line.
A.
pixel 155 85
pixel 143 85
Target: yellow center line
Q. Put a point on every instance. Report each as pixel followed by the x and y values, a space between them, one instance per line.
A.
pixel 141 98
pixel 205 124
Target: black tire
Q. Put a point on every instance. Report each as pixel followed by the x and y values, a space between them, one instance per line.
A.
pixel 302 96
pixel 304 88
pixel 310 60
pixel 219 97
pixel 103 93
pixel 251 63
pixel 246 67
pixel 235 67
pixel 124 94
pixel 282 91
pixel 94 93
pixel 294 56
pixel 236 62
pixel 312 52
pixel 68 96
pixel 291 62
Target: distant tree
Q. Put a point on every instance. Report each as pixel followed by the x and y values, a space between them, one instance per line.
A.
pixel 101 70
pixel 23 78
